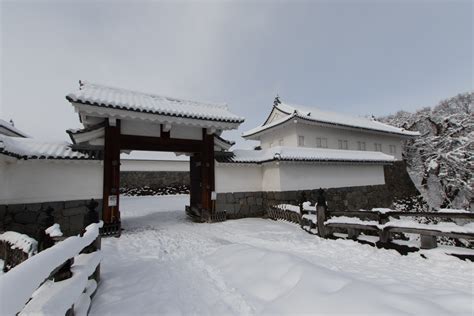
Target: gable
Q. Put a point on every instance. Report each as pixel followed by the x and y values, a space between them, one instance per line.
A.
pixel 275 115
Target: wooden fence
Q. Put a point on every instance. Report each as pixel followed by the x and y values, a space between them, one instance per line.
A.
pixel 379 223
pixel 63 278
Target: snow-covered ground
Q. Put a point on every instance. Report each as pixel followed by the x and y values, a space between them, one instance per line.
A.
pixel 165 264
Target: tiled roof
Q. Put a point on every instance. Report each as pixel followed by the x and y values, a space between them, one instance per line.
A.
pixel 28 148
pixel 303 154
pixel 116 98
pixel 12 129
pixel 330 118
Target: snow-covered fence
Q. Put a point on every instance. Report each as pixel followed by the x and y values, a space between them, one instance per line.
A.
pixel 283 213
pixel 386 222
pixel 382 222
pixel 16 248
pixel 56 281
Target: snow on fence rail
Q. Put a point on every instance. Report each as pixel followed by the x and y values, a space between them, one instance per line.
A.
pixel 383 221
pixel 16 248
pixel 27 288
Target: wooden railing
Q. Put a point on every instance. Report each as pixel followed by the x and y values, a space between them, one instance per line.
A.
pixel 63 278
pixel 381 223
pixel 378 223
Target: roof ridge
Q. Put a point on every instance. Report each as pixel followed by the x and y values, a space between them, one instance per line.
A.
pixel 83 83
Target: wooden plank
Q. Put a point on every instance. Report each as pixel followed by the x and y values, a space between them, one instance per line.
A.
pixel 433 214
pixel 368 214
pixel 353 226
pixel 428 232
pixel 133 142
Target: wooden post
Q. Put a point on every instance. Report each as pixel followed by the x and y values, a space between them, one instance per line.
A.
pixel 321 218
pixel 321 214
pixel 110 209
pixel 385 236
pixel 207 174
pixel 428 242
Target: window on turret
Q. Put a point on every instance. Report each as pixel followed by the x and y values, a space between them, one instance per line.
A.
pixel 378 147
pixel 281 142
pixel 301 141
pixel 393 149
pixel 361 146
pixel 343 144
pixel 321 142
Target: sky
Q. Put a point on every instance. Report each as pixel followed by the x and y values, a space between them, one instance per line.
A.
pixel 355 57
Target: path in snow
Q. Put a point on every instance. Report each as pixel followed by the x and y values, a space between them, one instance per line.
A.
pixel 165 264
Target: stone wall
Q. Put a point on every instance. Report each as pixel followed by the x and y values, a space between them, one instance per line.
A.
pixel 252 204
pixel 153 179
pixel 32 219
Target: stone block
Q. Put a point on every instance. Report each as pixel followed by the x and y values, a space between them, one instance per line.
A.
pixel 15 208
pixel 251 200
pixel 244 209
pixel 239 195
pixel 259 201
pixel 54 205
pixel 76 222
pixel 74 204
pixel 229 198
pixel 81 210
pixel 25 217
pixel 3 212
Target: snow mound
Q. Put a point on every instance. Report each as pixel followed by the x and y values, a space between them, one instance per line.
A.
pixel 278 283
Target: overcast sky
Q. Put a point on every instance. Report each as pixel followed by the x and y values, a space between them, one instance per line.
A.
pixel 358 57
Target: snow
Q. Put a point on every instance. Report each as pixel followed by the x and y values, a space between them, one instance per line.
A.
pixel 450 210
pixel 153 155
pixel 317 115
pixel 105 96
pixel 28 276
pixel 446 227
pixel 20 241
pixel 55 298
pixel 165 264
pixel 29 148
pixel 283 153
pixel 54 231
pixel 8 126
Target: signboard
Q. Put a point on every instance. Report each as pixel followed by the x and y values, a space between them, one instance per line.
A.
pixel 213 195
pixel 112 200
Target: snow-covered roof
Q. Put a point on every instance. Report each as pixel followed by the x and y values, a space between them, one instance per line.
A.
pixel 280 153
pixel 10 129
pixel 29 148
pixel 292 111
pixel 153 155
pixel 123 99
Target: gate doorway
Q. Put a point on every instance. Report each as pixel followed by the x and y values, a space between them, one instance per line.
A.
pixel 118 120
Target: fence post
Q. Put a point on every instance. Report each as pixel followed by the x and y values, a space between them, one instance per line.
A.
pixel 321 209
pixel 428 242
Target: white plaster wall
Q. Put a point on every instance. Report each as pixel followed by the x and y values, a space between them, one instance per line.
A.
pixel 140 128
pixel 290 132
pixel 271 179
pixel 238 178
pixel 4 180
pixel 311 132
pixel 153 165
pixel 186 132
pixel 287 134
pixel 36 181
pixel 314 176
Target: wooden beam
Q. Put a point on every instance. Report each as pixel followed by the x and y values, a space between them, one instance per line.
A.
pixel 110 195
pixel 133 142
